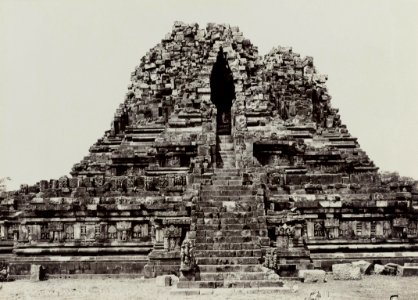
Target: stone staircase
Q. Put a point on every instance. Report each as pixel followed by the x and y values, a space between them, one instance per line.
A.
pixel 225 154
pixel 230 232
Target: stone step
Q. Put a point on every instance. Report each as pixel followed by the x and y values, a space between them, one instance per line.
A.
pixel 251 260
pixel 227 177
pixel 242 207
pixel 226 158
pixel 225 151
pixel 209 203
pixel 226 246
pixel 238 215
pixel 230 163
pixel 237 197
pixel 235 188
pixel 230 239
pixel 238 221
pixel 232 233
pixel 230 268
pixel 238 207
pixel 225 293
pixel 234 204
pixel 229 171
pixel 246 222
pixel 215 276
pixel 287 270
pixel 228 253
pixel 226 146
pixel 225 138
pixel 231 236
pixel 229 224
pixel 210 209
pixel 225 191
pixel 220 226
pixel 235 215
pixel 230 284
pixel 225 154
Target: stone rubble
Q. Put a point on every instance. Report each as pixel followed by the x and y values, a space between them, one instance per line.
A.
pixel 272 180
pixel 312 276
pixel 346 272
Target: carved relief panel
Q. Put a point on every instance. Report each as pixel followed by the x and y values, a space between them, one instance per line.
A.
pixel 285 233
pixel 140 231
pixel 172 237
pixel 331 227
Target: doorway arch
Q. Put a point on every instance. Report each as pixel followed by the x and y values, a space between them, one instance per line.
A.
pixel 222 93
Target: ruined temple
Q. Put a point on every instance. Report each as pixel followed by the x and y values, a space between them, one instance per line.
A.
pixel 219 165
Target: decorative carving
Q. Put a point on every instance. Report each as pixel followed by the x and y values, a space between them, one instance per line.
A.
pixel 151 183
pixel 319 229
pixel 172 238
pixel 345 230
pixel 172 231
pixel 240 123
pixel 44 232
pixel 140 230
pixel 387 229
pixel 400 222
pixel 179 180
pixel 24 231
pixel 69 232
pixel 285 230
pixel 112 233
pixel 63 182
pixel 270 260
pixel 162 181
pixel 412 228
pixel 173 161
pixel 187 259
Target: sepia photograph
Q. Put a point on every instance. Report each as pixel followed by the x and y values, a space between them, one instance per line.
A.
pixel 209 149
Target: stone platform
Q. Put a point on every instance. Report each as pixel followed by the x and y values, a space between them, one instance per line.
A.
pixel 219 163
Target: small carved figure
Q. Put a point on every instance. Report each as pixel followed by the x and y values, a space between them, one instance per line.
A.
pixel 187 256
pixel 4 273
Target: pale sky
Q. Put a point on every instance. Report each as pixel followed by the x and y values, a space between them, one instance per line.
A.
pixel 65 67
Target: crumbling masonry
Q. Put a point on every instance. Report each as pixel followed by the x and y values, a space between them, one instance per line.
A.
pixel 219 164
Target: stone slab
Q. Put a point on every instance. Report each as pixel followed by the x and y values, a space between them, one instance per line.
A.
pixel 37 273
pixel 365 266
pixel 312 276
pixel 409 271
pixel 346 272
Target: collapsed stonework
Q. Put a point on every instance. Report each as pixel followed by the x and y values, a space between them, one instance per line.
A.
pixel 219 165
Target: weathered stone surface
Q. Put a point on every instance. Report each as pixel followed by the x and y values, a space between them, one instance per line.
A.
pixel 365 266
pixel 4 273
pixel 409 270
pixel 166 280
pixel 312 276
pixel 392 269
pixel 239 153
pixel 163 280
pixel 37 273
pixel 378 269
pixel 346 272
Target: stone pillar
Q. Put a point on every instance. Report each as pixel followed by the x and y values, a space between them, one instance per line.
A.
pixel 37 273
pixel 3 232
pixel 77 231
pixel 298 231
pixel 159 235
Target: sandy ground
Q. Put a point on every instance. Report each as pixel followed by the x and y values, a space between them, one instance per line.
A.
pixel 370 287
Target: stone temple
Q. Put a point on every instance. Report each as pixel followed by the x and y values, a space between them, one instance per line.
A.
pixel 221 166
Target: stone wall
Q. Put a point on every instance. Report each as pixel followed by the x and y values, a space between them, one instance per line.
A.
pixel 136 190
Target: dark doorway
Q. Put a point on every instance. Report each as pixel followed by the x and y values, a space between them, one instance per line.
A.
pixel 222 93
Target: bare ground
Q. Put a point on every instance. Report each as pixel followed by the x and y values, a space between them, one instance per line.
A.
pixel 370 287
